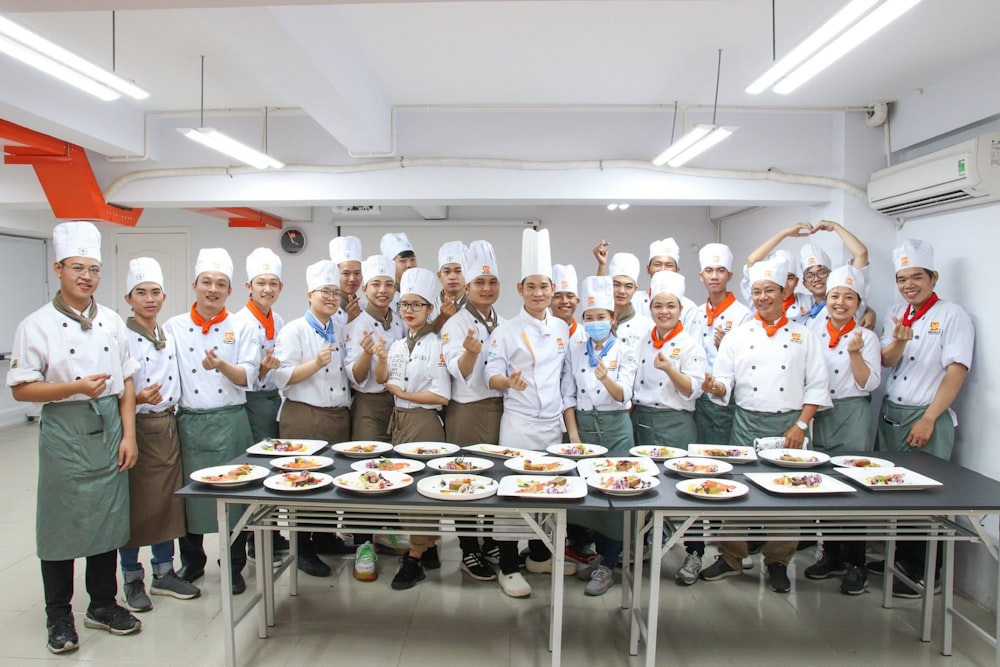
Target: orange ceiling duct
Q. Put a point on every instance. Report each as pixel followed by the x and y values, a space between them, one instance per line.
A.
pixel 242 216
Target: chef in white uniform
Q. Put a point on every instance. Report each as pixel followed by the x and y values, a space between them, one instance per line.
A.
pixel 345 252
pixel 451 298
pixel 397 248
pixel 565 300
pixel 630 324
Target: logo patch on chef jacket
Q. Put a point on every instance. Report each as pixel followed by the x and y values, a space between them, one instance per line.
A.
pixel 935 328
pixel 560 343
pixel 14 363
pixel 441 361
pixel 675 353
pixel 445 337
pixel 796 338
pixel 613 365
pixel 229 337
pixel 729 325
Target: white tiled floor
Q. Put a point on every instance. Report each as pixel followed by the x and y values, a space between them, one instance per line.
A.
pixel 450 619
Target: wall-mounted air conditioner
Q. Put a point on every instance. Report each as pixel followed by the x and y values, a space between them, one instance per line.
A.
pixel 966 174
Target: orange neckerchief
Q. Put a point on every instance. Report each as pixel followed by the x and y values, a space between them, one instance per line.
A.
pixel 572 328
pixel 908 320
pixel 712 313
pixel 771 330
pixel 788 303
pixel 659 342
pixel 836 333
pixel 266 321
pixel 202 322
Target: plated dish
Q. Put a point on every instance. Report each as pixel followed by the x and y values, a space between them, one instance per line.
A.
pixel 230 475
pixel 861 462
pixel 712 489
pixel 658 452
pixel 623 483
pixel 460 464
pixel 298 481
pixel 793 458
pixel 731 453
pixel 576 450
pixel 542 487
pixel 373 481
pixel 294 463
pixel 286 447
pixel 541 465
pixel 775 442
pixel 498 452
pixel 696 467
pixel 392 465
pixel 798 483
pixel 637 465
pixel 457 487
pixel 426 450
pixel 890 479
pixel 362 449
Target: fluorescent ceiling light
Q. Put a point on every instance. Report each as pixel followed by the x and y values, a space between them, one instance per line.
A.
pixel 32 49
pixel 211 137
pixel 702 137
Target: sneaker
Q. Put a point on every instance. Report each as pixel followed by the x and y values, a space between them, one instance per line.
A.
pixel 688 574
pixel 545 566
pixel 581 553
pixel 62 635
pixel 747 563
pixel 239 583
pixel 855 582
pixel 116 620
pixel 331 544
pixel 135 596
pixel 902 590
pixel 492 554
pixel 514 585
pixel 601 580
pixel 584 571
pixel 778 575
pixel 476 566
pixel 279 544
pixel 754 547
pixel 719 570
pixel 430 559
pixel 190 574
pixel 410 573
pixel 312 565
pixel 876 567
pixel 364 563
pixel 172 585
pixel 828 565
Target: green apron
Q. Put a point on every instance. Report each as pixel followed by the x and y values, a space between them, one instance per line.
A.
pixel 83 507
pixel 662 427
pixel 611 429
pixel 714 421
pixel 262 411
pixel 891 437
pixel 845 428
pixel 210 438
pixel 748 425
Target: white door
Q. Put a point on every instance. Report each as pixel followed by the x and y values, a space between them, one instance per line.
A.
pixel 169 246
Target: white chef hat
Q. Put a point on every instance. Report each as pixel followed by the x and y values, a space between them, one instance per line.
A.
pixel 847 276
pixel 597 292
pixel 377 265
pixel 214 259
pixel 769 269
pixel 624 264
pixel 421 282
pixel 78 238
pixel 666 248
pixel 261 261
pixel 667 282
pixel 143 270
pixel 451 253
pixel 345 249
pixel 716 254
pixel 564 279
pixel 393 244
pixel 812 255
pixel 322 273
pixel 913 254
pixel 788 260
pixel 479 259
pixel 536 254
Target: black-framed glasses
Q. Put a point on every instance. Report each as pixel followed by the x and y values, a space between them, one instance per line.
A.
pixel 416 305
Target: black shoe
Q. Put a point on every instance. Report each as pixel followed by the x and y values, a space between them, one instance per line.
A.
pixel 805 544
pixel 855 581
pixel 476 566
pixel 754 547
pixel 430 559
pixel 778 575
pixel 116 620
pixel 410 572
pixel 279 543
pixel 876 567
pixel 332 545
pixel 239 583
pixel 828 565
pixel 901 590
pixel 190 574
pixel 313 566
pixel 62 635
pixel 720 569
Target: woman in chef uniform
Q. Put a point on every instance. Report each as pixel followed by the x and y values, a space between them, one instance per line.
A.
pixel 72 357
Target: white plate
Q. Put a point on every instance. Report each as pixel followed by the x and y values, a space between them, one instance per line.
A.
pixel 297 447
pixel 911 481
pixel 813 459
pixel 689 488
pixel 600 482
pixel 576 450
pixel 774 442
pixel 658 452
pixel 520 486
pixel 478 464
pixel 716 467
pixel 826 484
pixel 438 487
pixel 255 473
pixel 498 452
pixel 361 449
pixel 408 465
pixel 852 462
pixel 426 450
pixel 284 482
pixel 352 481
pixel 559 466
pixel 731 453
pixel 637 465
pixel 313 463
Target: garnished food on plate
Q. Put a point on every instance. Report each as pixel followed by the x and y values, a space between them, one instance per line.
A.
pixel 719 451
pixel 234 474
pixel 798 458
pixel 362 448
pixel 806 481
pixel 619 465
pixel 302 462
pixel 371 479
pixel 300 479
pixel 553 486
pixel 887 480
pixel 382 463
pixel 712 487
pixel 623 482
pixel 460 464
pixel 283 446
pixel 462 485
pixel 658 452
pixel 691 466
pixel 541 466
pixel 576 450
pixel 429 451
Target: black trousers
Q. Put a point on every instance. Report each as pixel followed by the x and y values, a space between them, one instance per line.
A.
pixel 193 551
pixel 57 583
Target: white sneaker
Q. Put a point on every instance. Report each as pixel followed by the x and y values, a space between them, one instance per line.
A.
pixel 688 573
pixel 601 580
pixel 747 563
pixel 545 566
pixel 514 585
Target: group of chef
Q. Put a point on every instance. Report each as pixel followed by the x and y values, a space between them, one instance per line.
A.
pixel 390 351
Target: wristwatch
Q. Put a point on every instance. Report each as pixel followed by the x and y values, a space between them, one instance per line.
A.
pixel 802 425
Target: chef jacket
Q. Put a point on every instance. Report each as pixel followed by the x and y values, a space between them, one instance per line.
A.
pixel 247 317
pixel 838 363
pixel 653 387
pixel 733 316
pixel 475 387
pixel 631 331
pixel 689 310
pixel 298 343
pixel 155 367
pixel 423 369
pixel 581 388
pixel 352 340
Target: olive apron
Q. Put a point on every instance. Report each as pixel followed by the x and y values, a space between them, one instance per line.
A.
pixel 714 421
pixel 370 414
pixel 749 425
pixel 611 429
pixel 157 514
pixel 262 412
pixel 659 426
pixel 83 507
pixel 210 438
pixel 415 425
pixel 845 428
pixel 895 422
pixel 474 423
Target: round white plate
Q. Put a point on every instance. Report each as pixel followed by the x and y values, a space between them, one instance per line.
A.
pixel 853 461
pixel 559 466
pixel 576 451
pixel 284 482
pixel 658 452
pixel 601 483
pixel 398 465
pixel 286 447
pixel 426 450
pixel 689 488
pixel 255 473
pixel 309 463
pixel 478 464
pixel 439 487
pixel 362 449
pixel 352 481
pixel 774 442
pixel 812 459
pixel 711 467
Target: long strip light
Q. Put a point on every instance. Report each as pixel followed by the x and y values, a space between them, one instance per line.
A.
pixel 211 137
pixel 831 41
pixel 34 50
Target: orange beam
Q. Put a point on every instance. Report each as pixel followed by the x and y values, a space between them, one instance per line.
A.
pixel 242 216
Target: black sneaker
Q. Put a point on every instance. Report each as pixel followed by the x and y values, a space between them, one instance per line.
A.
pixel 410 572
pixel 239 583
pixel 313 566
pixel 720 570
pixel 116 620
pixel 279 544
pixel 828 565
pixel 332 545
pixel 754 547
pixel 901 590
pixel 62 635
pixel 492 553
pixel 855 582
pixel 876 567
pixel 191 574
pixel 476 566
pixel 778 578
pixel 430 559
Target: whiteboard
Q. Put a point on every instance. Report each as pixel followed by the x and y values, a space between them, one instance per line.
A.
pixel 25 262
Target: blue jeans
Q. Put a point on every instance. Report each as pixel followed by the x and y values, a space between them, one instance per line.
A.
pixel 162 553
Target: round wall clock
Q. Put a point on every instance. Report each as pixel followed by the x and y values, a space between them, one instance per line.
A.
pixel 293 241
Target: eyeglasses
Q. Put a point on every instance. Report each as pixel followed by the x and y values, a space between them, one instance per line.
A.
pixel 329 294
pixel 406 305
pixel 81 270
pixel 818 274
